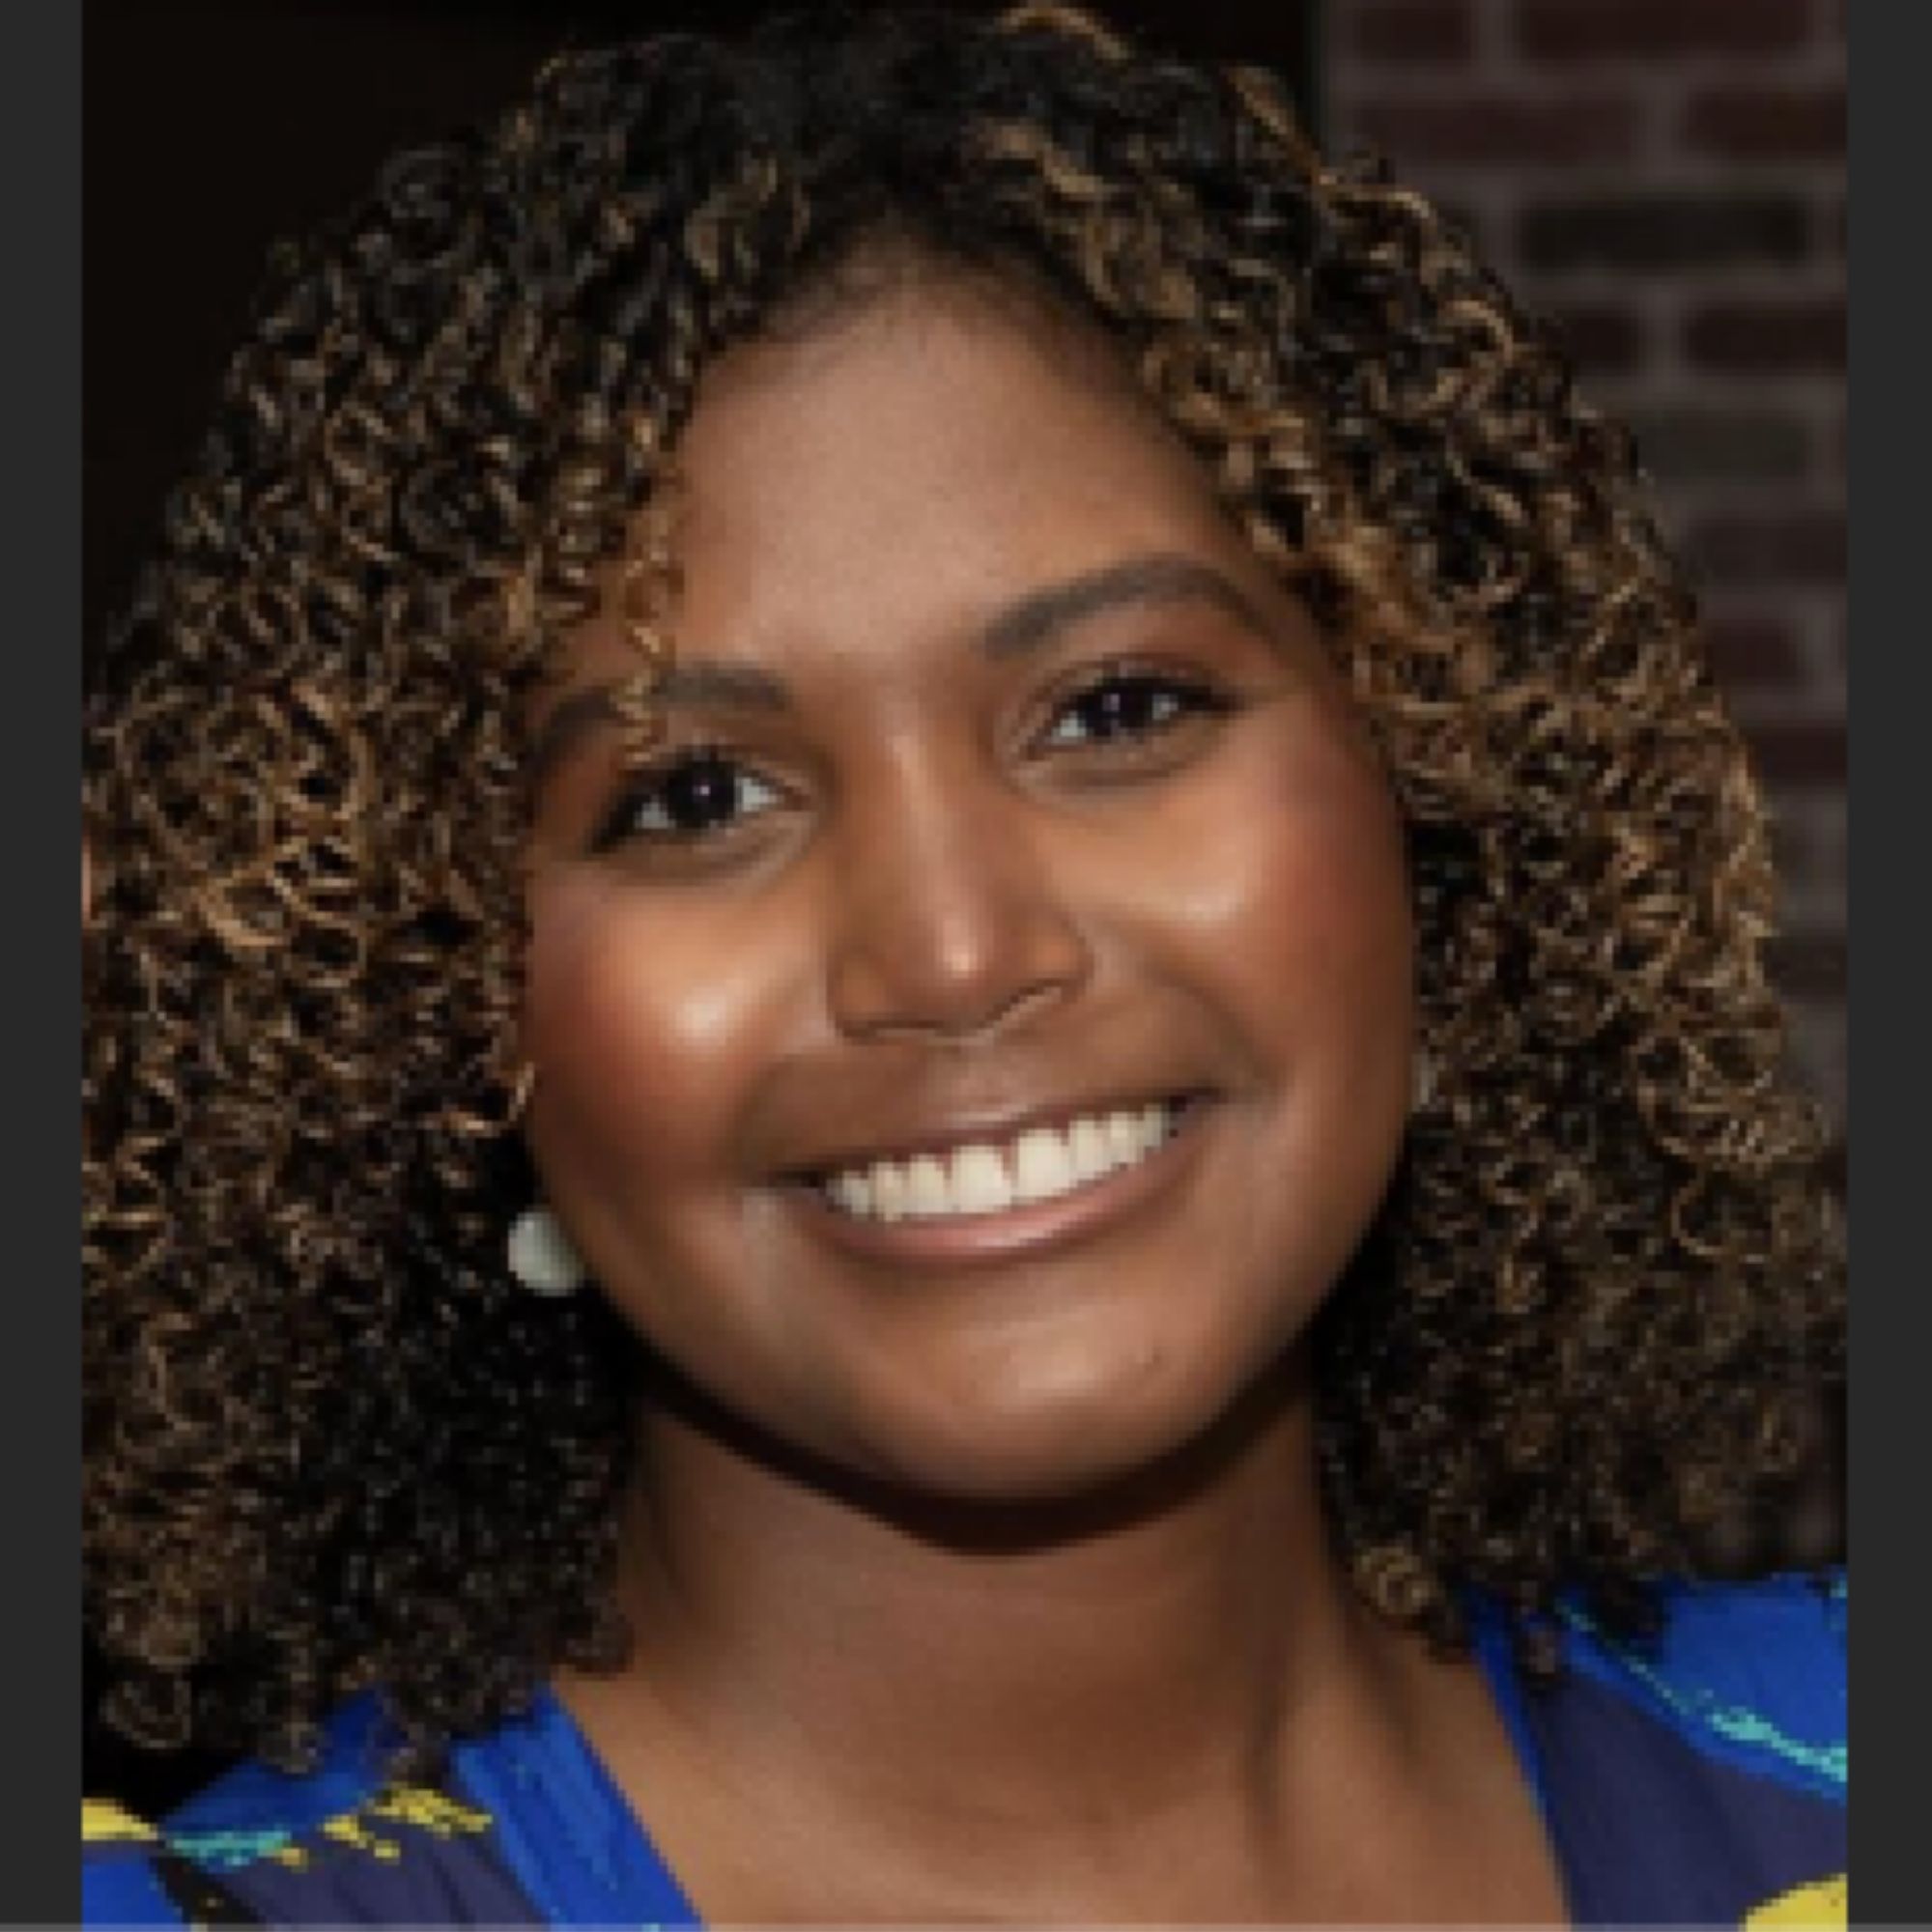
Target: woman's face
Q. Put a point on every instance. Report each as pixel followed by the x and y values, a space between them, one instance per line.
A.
pixel 1002 791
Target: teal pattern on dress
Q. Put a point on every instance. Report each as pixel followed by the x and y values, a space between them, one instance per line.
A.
pixel 229 1851
pixel 1737 1724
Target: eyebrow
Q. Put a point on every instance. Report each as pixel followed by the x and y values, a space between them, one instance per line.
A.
pixel 685 686
pixel 1025 625
pixel 1042 614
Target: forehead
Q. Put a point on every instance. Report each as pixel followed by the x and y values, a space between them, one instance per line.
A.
pixel 914 444
pixel 894 470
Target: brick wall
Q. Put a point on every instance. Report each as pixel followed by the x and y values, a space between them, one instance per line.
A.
pixel 1666 178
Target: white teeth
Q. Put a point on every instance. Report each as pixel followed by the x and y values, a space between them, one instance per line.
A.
pixel 1091 1156
pixel 853 1192
pixel 888 1191
pixel 1043 1165
pixel 928 1188
pixel 1039 1165
pixel 980 1184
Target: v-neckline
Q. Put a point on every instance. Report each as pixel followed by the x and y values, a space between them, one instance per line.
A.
pixel 1492 1645
pixel 597 1864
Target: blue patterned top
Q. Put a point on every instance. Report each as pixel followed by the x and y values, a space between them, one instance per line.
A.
pixel 1698 1778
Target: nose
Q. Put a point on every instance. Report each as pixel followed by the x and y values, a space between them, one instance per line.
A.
pixel 949 921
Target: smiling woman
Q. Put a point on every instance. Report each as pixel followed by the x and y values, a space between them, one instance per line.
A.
pixel 994 773
pixel 1049 806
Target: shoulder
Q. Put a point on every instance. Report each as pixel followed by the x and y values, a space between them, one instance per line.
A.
pixel 1697 1774
pixel 1751 1674
pixel 342 1843
pixel 121 1858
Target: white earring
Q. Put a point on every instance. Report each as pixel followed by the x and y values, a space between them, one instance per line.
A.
pixel 541 1256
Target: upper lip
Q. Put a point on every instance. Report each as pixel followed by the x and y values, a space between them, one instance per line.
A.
pixel 940 1135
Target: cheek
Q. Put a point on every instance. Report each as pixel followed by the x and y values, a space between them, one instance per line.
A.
pixel 1327 934
pixel 1284 879
pixel 648 1028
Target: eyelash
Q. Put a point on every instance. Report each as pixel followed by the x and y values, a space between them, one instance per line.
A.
pixel 1186 697
pixel 1192 696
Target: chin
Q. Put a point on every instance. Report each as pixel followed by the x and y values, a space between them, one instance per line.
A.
pixel 1077 1433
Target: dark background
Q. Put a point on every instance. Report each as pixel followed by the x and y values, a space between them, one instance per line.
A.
pixel 214 128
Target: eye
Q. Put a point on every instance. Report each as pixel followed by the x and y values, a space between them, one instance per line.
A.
pixel 1125 705
pixel 694 795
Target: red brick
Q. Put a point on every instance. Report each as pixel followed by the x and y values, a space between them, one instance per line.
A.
pixel 1809 965
pixel 1600 341
pixel 1415 30
pixel 1752 653
pixel 1804 756
pixel 1805 547
pixel 1663 230
pixel 1682 443
pixel 1790 845
pixel 1583 30
pixel 1767 338
pixel 1763 124
pixel 1486 130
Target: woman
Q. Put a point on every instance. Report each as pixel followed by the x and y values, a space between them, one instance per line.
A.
pixel 929 1074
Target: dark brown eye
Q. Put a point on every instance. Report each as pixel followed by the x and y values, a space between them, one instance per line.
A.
pixel 1125 705
pixel 688 797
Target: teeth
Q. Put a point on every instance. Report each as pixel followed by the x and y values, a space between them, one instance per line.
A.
pixel 888 1191
pixel 928 1188
pixel 1039 1165
pixel 980 1184
pixel 1043 1165
pixel 1090 1156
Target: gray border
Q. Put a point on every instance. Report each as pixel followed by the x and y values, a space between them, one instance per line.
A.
pixel 1892 1712
pixel 40 206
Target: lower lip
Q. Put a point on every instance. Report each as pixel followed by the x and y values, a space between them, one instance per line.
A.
pixel 1036 1227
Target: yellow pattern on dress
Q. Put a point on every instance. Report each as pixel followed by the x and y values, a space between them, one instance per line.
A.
pixel 428 1810
pixel 415 1805
pixel 1824 1902
pixel 102 1821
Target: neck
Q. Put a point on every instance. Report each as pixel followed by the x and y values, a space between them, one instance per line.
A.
pixel 1112 1651
pixel 1158 1700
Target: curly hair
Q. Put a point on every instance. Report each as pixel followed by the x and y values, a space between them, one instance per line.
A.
pixel 328 1444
